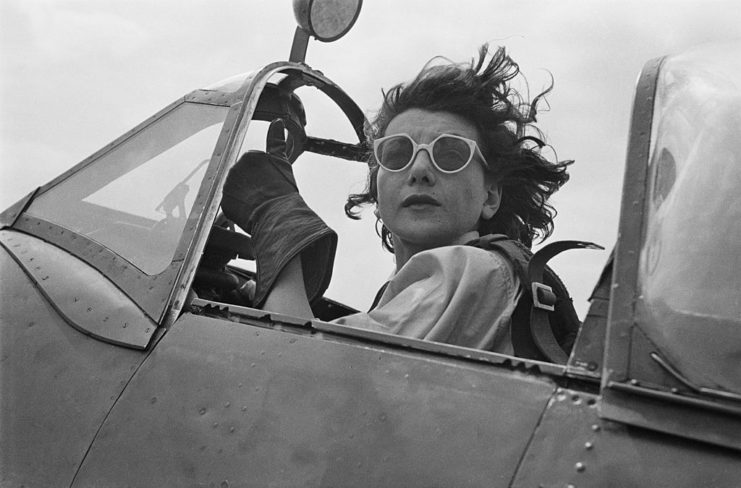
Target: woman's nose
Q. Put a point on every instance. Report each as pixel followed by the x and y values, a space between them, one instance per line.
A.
pixel 422 170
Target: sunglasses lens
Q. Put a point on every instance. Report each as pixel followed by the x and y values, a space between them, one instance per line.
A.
pixel 451 153
pixel 395 152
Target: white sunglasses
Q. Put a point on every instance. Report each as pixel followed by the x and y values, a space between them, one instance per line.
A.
pixel 449 153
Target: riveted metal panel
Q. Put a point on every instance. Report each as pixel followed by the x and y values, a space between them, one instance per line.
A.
pixel 56 385
pixel 220 403
pixel 622 302
pixel 149 292
pixel 213 97
pixel 586 359
pixel 84 297
pixel 688 417
pixel 572 446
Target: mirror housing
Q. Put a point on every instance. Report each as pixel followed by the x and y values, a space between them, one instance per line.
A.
pixel 325 20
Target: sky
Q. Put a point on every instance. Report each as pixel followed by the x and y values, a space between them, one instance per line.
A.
pixel 75 74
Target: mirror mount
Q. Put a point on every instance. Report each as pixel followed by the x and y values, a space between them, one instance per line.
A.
pixel 325 20
pixel 298 48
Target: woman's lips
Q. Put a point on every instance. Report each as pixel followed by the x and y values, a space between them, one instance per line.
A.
pixel 419 200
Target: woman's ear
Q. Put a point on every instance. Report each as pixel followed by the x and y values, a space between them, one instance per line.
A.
pixel 493 199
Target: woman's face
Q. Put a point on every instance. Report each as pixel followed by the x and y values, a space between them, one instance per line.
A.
pixel 424 208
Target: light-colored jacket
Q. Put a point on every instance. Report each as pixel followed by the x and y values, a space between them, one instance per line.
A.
pixel 458 295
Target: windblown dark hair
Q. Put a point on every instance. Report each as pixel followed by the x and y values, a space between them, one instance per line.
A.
pixel 480 93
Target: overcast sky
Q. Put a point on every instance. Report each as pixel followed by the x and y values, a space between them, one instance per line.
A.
pixel 75 74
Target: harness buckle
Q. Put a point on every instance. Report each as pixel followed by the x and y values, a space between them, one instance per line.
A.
pixel 543 297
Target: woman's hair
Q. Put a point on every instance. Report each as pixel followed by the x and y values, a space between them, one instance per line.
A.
pixel 480 93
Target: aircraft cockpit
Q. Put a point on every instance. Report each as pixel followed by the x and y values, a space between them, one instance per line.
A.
pixel 676 304
pixel 128 339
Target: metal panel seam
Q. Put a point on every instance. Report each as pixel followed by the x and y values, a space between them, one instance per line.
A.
pixel 516 472
pixel 113 405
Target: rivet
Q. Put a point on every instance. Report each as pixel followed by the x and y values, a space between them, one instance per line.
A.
pixel 634 382
pixel 580 467
pixel 588 445
pixel 595 427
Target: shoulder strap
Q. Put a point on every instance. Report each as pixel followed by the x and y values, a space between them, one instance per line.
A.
pixel 549 304
pixel 544 323
pixel 519 257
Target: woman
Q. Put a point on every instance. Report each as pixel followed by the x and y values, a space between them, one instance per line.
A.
pixel 452 161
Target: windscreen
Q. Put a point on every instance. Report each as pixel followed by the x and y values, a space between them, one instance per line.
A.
pixel 136 198
pixel 690 264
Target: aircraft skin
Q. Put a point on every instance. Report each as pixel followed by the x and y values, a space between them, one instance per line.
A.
pixel 224 403
pixel 112 376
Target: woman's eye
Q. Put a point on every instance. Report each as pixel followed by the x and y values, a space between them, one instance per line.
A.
pixel 395 151
pixel 454 151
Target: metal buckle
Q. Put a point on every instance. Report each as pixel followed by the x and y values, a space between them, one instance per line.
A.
pixel 548 296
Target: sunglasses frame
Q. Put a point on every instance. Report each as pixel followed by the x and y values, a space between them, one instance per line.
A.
pixel 416 147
